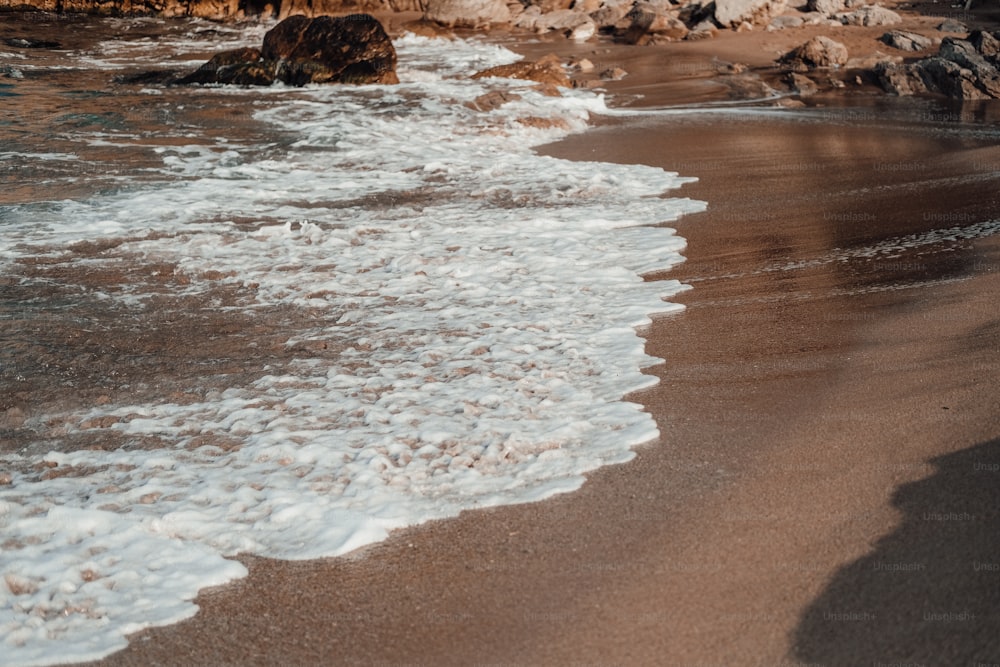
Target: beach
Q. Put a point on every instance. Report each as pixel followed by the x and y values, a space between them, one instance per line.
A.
pixel 824 488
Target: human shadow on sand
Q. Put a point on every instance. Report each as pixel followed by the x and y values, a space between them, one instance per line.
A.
pixel 929 592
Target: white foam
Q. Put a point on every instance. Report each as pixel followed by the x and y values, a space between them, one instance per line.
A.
pixel 485 299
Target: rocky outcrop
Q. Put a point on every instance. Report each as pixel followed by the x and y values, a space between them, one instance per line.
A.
pixel 818 52
pixel 300 50
pixel 962 69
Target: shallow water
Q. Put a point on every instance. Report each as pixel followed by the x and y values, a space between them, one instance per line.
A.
pixel 286 321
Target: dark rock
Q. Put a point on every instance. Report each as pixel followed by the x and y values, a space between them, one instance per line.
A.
pixel 906 41
pixel 347 49
pixel 226 67
pixel 150 77
pixel 984 73
pixel 948 78
pixel 299 50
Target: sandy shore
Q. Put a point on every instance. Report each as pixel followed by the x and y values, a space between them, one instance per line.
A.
pixel 825 487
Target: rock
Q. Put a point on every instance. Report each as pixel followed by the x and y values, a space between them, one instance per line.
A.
pixel 612 15
pixel 943 76
pixel 870 15
pixel 348 49
pixel 800 84
pixel 649 21
pixel 300 50
pixel 870 60
pixel 898 79
pixel 731 13
pixel 965 54
pixel 231 67
pixel 585 65
pixel 747 86
pixel 468 13
pixel 986 44
pixel 583 31
pixel 548 70
pixel 906 41
pixel 784 22
pixel 704 30
pixel 951 25
pixel 826 7
pixel 817 52
pixel 492 100
pixel 614 74
pixel 962 69
pixel 549 6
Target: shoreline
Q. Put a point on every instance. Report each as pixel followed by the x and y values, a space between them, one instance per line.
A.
pixel 792 411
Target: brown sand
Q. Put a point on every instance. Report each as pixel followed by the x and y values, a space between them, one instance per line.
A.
pixel 824 489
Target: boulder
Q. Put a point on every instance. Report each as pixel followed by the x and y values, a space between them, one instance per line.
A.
pixel 985 43
pixel 732 13
pixel 818 52
pixel 347 49
pixel 300 50
pixel 651 20
pixel 831 7
pixel 951 25
pixel 784 22
pixel 906 41
pixel 582 31
pixel 468 13
pixel 870 15
pixel 547 70
pixel 943 76
pixel 898 79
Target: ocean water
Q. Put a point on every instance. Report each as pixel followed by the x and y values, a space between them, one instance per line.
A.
pixel 287 321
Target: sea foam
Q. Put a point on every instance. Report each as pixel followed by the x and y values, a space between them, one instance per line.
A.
pixel 484 301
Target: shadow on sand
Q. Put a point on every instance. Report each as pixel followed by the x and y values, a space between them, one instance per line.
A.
pixel 928 593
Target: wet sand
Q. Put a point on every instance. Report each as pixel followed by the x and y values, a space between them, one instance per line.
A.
pixel 825 487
